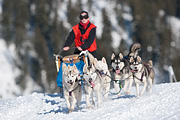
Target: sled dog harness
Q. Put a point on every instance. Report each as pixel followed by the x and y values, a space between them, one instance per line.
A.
pixel 145 72
pixel 70 92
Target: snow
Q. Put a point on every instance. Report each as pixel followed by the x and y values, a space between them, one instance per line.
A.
pixel 175 27
pixel 96 16
pixel 116 39
pixel 163 103
pixel 8 71
pixel 84 4
pixel 62 12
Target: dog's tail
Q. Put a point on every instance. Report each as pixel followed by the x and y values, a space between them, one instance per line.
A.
pixel 134 49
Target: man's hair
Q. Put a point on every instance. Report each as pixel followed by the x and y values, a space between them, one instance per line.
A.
pixel 84 12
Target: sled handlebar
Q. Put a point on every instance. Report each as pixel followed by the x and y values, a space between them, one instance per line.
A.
pixel 66 50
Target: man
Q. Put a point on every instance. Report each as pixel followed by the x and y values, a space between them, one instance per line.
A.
pixel 84 36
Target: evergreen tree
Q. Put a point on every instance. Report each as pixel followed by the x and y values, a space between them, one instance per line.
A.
pixel 104 44
pixel 34 25
pixel 6 21
pixel 73 13
pixel 14 22
pixel 152 30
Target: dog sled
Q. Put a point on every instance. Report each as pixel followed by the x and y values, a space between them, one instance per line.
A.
pixel 79 60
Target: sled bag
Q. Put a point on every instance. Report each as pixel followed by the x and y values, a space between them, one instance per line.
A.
pixel 79 66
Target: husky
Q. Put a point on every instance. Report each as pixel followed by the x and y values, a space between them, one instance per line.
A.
pixel 102 69
pixel 121 68
pixel 92 84
pixel 72 88
pixel 122 73
pixel 142 73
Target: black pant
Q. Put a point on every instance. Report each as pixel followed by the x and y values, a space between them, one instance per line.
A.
pixel 78 52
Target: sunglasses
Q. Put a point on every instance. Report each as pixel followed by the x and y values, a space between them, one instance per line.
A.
pixel 83 17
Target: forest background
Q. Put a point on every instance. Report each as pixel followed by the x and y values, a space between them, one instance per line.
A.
pixel 39 28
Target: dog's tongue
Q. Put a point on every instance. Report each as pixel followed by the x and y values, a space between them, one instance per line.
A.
pixel 134 70
pixel 92 84
pixel 117 71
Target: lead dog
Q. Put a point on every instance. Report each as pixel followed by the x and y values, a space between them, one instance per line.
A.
pixel 72 89
pixel 92 84
pixel 122 73
pixel 142 73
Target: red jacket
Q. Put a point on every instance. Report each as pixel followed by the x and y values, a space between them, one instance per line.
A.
pixel 79 38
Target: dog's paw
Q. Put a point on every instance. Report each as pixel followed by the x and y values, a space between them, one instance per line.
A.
pixel 89 107
pixel 70 110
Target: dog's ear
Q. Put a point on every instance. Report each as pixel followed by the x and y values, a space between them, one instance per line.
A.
pixel 112 57
pixel 150 62
pixel 85 67
pixel 69 66
pixel 121 56
pixel 131 60
pixel 103 59
pixel 74 67
pixel 93 66
pixel 139 58
pixel 63 67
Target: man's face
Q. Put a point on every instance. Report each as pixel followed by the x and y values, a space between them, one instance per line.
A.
pixel 84 18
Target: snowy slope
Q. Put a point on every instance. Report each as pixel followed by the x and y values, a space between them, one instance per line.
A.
pixel 8 71
pixel 163 103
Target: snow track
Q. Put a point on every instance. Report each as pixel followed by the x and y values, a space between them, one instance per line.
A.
pixel 163 103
